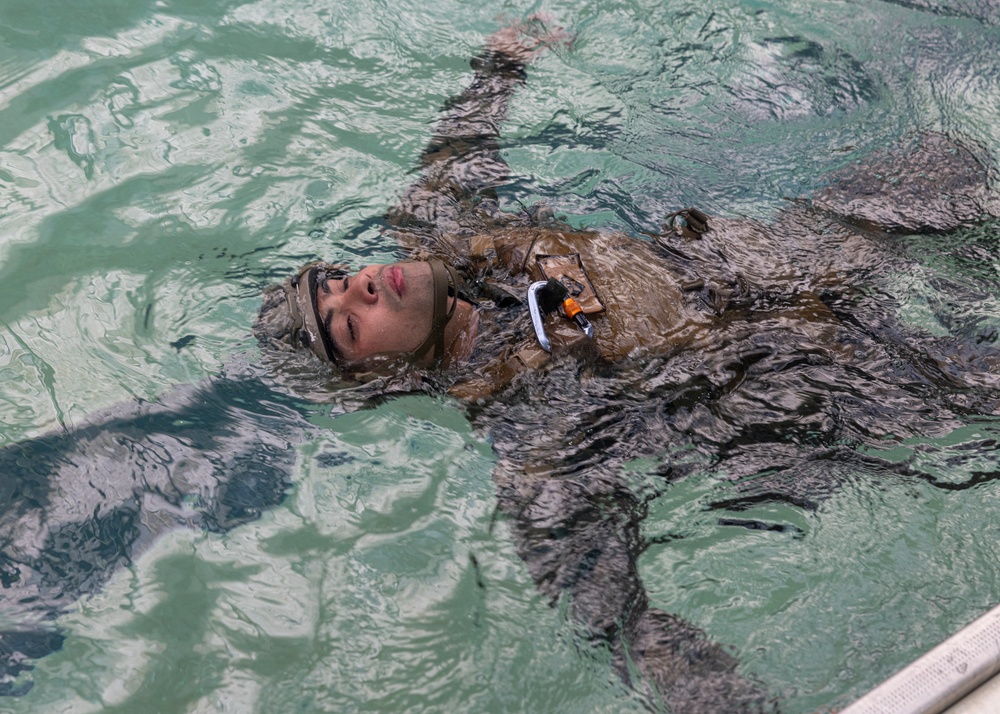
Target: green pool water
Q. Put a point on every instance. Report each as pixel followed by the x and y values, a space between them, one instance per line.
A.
pixel 161 161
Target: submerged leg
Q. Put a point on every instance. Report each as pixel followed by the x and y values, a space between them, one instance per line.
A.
pixel 580 537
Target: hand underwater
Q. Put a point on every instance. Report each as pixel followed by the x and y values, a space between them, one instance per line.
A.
pixel 525 39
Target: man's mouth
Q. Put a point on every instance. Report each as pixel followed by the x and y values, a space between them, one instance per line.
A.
pixel 394 279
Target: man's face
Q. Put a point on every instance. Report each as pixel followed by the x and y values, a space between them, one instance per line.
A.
pixel 382 309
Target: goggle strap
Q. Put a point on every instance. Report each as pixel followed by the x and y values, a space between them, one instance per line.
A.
pixel 445 282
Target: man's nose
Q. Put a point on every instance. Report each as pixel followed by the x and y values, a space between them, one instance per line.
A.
pixel 363 289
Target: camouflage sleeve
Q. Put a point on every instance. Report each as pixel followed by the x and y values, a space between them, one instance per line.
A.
pixel 930 183
pixel 462 163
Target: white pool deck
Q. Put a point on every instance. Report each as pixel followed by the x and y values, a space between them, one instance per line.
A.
pixel 959 676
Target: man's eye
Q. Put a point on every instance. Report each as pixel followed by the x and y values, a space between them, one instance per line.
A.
pixel 350 329
pixel 338 275
pixel 347 283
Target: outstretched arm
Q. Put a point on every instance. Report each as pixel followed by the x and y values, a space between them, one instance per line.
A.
pixel 931 183
pixel 462 164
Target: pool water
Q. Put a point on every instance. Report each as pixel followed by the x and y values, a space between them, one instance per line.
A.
pixel 161 161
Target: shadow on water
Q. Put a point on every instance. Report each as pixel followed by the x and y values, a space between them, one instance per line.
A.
pixel 79 504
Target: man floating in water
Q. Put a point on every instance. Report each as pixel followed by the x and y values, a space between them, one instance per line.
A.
pixel 610 305
pixel 577 351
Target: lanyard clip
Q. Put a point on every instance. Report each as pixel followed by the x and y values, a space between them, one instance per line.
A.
pixel 546 296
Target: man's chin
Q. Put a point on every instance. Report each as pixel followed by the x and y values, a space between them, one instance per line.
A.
pixel 386 364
